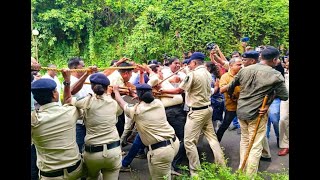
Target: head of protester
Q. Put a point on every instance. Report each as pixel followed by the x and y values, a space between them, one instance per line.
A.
pixel 125 73
pixel 76 63
pixel 99 83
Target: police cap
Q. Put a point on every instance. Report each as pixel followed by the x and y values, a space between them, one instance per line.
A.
pixel 43 84
pixel 251 54
pixel 99 78
pixel 143 87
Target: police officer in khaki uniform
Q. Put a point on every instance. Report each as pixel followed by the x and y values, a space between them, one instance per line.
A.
pixel 199 119
pixel 176 116
pixel 53 130
pixel 102 151
pixel 155 131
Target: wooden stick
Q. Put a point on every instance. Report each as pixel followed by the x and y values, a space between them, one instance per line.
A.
pixel 169 76
pixel 254 134
pixel 85 69
pixel 163 95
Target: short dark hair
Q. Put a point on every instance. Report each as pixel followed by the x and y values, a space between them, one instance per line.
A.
pixel 269 53
pixel 125 64
pixel 171 60
pixel 43 97
pixel 74 62
pixel 154 67
pixel 113 62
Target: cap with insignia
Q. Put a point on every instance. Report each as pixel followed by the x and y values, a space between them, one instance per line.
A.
pixel 196 55
pixel 251 54
pixel 99 78
pixel 143 87
pixel 43 84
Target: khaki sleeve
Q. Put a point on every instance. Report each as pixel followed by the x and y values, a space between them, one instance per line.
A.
pixel 119 110
pixel 187 82
pixel 129 110
pixel 80 102
pixel 153 80
pixel 34 118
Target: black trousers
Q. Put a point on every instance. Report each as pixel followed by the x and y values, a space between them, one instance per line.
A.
pixel 228 117
pixel 120 124
pixel 177 117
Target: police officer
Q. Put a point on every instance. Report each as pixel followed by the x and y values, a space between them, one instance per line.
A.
pixel 198 90
pixel 256 81
pixel 176 116
pixel 53 130
pixel 102 150
pixel 155 131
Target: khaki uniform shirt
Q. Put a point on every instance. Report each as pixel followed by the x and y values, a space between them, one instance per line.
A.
pixel 255 82
pixel 116 79
pixel 167 102
pixel 100 118
pixel 53 131
pixel 197 87
pixel 83 92
pixel 231 103
pixel 151 121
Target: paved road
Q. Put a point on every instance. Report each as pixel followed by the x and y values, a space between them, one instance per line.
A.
pixel 230 143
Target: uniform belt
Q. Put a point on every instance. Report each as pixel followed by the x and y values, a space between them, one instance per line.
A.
pixel 60 171
pixel 162 143
pixel 199 108
pixel 93 148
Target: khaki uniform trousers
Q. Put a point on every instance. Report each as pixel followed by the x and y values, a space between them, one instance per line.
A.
pixel 265 148
pixel 284 125
pixel 74 175
pixel 107 161
pixel 201 121
pixel 247 130
pixel 159 160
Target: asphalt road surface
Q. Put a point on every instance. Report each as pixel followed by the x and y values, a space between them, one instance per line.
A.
pixel 230 143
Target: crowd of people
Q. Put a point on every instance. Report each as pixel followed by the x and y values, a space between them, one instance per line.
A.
pixel 165 108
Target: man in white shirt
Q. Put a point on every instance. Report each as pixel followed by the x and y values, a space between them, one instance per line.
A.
pixel 79 89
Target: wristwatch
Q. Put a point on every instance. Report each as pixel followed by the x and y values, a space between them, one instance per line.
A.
pixel 66 83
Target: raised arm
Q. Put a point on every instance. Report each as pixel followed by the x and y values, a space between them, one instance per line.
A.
pixel 76 87
pixel 118 97
pixel 67 92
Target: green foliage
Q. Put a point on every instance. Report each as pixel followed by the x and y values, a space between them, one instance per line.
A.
pixel 217 172
pixel 102 30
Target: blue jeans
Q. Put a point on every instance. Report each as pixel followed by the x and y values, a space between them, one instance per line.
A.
pixel 235 122
pixel 34 168
pixel 136 148
pixel 80 134
pixel 274 117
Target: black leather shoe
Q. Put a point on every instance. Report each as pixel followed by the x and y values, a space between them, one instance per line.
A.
pixel 265 159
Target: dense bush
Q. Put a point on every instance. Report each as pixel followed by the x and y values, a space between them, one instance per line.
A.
pixel 103 30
